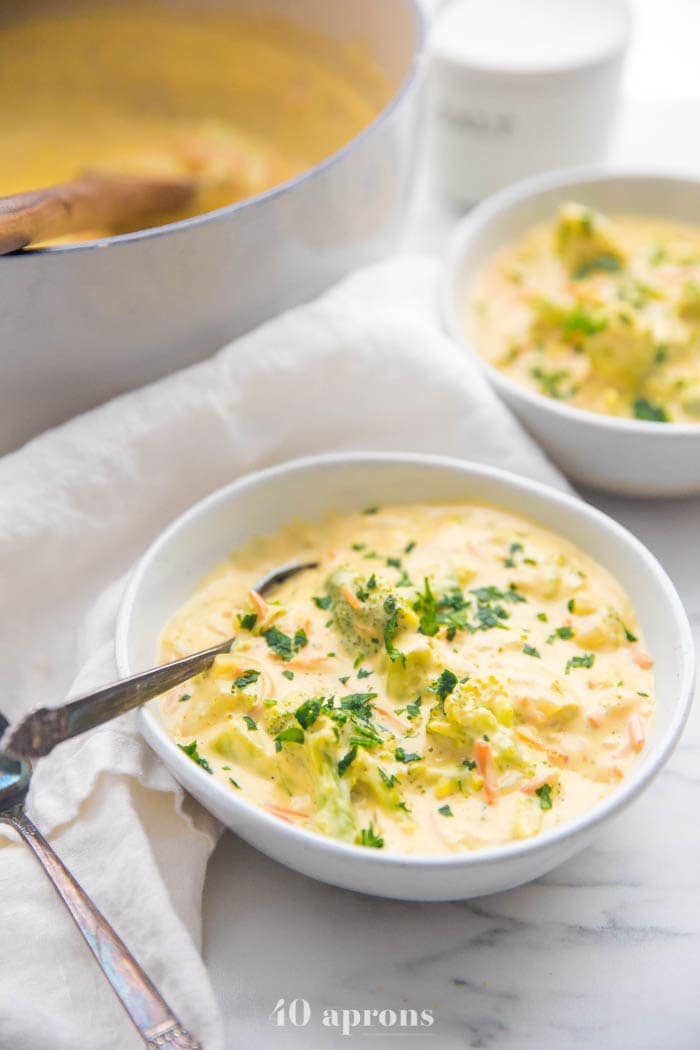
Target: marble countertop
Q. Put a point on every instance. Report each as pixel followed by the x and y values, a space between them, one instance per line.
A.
pixel 603 953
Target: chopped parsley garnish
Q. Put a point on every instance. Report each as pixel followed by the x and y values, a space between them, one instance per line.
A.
pixel 248 621
pixel 648 411
pixel 371 510
pixel 445 811
pixel 571 605
pixel 347 760
pixel 282 644
pixel 404 580
pixel 406 756
pixel 390 781
pixel 323 602
pixel 542 616
pixel 247 678
pixel 413 709
pixel 444 685
pixel 551 384
pixel 364 673
pixel 409 547
pixel 234 782
pixel 292 735
pixel 469 763
pixel 345 679
pixel 358 546
pixel 250 722
pixel 604 263
pixel 369 837
pixel 192 752
pixel 587 660
pixel 628 634
pixel 564 632
pixel 288 674
pixel 359 703
pixel 185 696
pixel 307 713
pixel 364 734
pixel 390 628
pixel 426 607
pixel 394 563
pixel 544 794
pixel 530 650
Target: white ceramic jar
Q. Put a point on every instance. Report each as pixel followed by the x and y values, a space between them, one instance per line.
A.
pixel 522 86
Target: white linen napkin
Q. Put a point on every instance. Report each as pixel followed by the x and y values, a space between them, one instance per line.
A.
pixel 364 367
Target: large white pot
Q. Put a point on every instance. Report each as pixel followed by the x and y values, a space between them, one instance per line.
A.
pixel 79 324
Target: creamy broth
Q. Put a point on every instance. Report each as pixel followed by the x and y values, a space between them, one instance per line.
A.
pixel 448 678
pixel 241 103
pixel 600 313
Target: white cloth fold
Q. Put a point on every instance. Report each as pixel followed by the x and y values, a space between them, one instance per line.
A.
pixel 364 367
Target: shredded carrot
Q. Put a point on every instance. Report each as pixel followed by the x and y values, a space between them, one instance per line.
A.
pixel 350 597
pixel 485 765
pixel 288 815
pixel 531 786
pixel 635 732
pixel 641 658
pixel 551 752
pixel 260 605
pixel 365 630
pixel 306 661
pixel 595 718
pixel 391 717
pixel 267 686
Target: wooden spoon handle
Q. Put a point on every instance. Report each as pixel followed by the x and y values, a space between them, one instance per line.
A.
pixel 95 201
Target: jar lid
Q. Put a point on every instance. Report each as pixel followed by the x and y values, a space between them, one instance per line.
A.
pixel 530 37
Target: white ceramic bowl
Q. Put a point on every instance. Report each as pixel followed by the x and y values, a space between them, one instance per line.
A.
pixel 206 534
pixel 82 323
pixel 621 455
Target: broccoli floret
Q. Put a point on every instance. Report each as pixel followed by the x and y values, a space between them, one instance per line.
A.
pixel 362 606
pixel 586 241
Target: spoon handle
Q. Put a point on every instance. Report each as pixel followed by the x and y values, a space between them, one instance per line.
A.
pixel 95 201
pixel 40 731
pixel 144 1004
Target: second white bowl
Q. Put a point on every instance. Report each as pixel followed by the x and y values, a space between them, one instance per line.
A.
pixel 620 455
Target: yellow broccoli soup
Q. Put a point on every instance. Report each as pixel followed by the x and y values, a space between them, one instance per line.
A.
pixel 447 678
pixel 238 102
pixel 596 312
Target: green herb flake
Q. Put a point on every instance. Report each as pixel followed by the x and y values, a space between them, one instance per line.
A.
pixel 530 650
pixel 544 794
pixel 413 709
pixel 406 756
pixel 604 263
pixel 184 697
pixel 409 547
pixel 444 685
pixel 564 632
pixel 250 722
pixel 648 411
pixel 389 781
pixel 445 811
pixel 234 782
pixel 292 735
pixel 192 752
pixel 323 601
pixel 369 837
pixel 587 660
pixel 371 510
pixel 347 760
pixel 288 675
pixel 247 678
pixel 307 713
pixel 248 621
pixel 284 646
pixel 543 617
pixel 390 628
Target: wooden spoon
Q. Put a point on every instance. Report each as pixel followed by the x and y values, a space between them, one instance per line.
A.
pixel 94 201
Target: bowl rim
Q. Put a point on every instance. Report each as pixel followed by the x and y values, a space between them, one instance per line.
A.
pixel 638 778
pixel 402 91
pixel 499 204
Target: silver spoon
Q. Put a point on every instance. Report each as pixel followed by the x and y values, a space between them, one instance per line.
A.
pixel 37 735
pixel 155 1021
pixel 39 732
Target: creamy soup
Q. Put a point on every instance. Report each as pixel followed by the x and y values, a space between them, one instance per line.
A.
pixel 239 102
pixel 601 313
pixel 447 678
